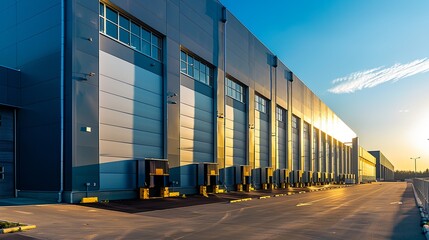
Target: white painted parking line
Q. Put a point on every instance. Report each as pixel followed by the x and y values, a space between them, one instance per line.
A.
pixel 22 212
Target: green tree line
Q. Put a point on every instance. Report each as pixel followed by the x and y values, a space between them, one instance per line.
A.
pixel 402 175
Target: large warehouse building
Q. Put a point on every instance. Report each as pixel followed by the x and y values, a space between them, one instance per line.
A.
pixel 115 95
pixel 385 171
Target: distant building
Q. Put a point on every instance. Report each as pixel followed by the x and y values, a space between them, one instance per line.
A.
pixel 364 164
pixel 116 95
pixel 384 169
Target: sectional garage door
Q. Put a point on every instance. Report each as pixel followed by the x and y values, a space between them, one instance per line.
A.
pixel 281 138
pixel 307 147
pixel 196 128
pixel 323 153
pixel 261 140
pixel 131 120
pixel 236 137
pixel 295 143
pixel 6 153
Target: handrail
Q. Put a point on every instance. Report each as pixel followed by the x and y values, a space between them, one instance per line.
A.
pixel 421 187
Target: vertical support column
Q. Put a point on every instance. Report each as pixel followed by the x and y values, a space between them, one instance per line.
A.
pixel 273 121
pixel 251 127
pixel 355 158
pixel 289 83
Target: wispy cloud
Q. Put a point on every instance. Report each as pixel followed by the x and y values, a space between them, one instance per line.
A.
pixel 373 77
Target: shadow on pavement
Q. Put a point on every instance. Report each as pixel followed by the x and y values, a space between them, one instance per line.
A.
pixel 409 226
pixel 22 201
pixel 16 236
pixel 137 205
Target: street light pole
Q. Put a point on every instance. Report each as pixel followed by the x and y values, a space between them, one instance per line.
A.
pixel 415 166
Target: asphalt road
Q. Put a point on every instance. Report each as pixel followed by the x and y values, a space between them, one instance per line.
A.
pixel 371 211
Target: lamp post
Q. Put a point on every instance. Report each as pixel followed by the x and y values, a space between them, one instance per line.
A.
pixel 415 165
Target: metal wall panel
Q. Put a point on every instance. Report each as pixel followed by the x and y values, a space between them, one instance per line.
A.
pixel 307 147
pixel 316 150
pixel 7 153
pixel 131 120
pixel 196 126
pixel 323 153
pixel 196 132
pixel 282 142
pixel 235 136
pixel 329 152
pixel 296 143
pixel 262 135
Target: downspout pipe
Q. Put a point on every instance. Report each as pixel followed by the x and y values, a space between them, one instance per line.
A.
pixel 62 73
pixel 224 20
pixel 14 154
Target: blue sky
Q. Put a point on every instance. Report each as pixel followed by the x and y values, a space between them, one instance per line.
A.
pixel 366 59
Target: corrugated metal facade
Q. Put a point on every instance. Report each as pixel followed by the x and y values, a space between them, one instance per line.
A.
pixel 130 120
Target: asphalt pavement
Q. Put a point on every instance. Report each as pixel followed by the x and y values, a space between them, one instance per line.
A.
pixel 370 211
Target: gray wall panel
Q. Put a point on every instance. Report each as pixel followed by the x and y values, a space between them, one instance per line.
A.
pixel 236 135
pixel 126 120
pixel 296 143
pixel 131 120
pixel 117 181
pixel 30 24
pixel 126 135
pixel 127 150
pixel 121 104
pixel 130 92
pixel 199 136
pixel 7 185
pixel 308 166
pixel 282 144
pixel 196 126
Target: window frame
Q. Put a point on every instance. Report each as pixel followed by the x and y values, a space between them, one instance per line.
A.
pixel 280 114
pixel 155 49
pixel 234 90
pixel 261 104
pixel 196 68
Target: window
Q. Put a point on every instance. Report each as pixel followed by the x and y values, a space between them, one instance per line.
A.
pixel 280 114
pixel 234 90
pixel 260 104
pixel 195 68
pixel 128 32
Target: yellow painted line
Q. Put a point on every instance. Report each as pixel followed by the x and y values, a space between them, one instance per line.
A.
pixel 264 197
pixel 240 200
pixel 304 204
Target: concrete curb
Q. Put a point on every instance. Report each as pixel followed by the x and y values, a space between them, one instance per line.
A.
pixel 423 214
pixel 425 230
pixel 17 229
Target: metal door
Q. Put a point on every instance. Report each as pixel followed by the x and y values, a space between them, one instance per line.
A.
pixel 7 177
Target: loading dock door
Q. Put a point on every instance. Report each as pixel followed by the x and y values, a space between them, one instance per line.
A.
pixel 261 137
pixel 196 128
pixel 307 147
pixel 6 153
pixel 295 143
pixel 281 138
pixel 131 120
pixel 235 137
